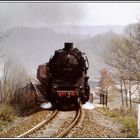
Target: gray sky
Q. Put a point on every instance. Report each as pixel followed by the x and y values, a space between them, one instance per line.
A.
pixel 44 14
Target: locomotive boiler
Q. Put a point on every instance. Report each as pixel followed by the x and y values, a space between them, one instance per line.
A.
pixel 64 78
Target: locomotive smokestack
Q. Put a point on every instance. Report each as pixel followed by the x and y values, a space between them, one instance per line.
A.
pixel 68 46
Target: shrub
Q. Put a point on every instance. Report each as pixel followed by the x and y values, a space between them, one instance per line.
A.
pixel 6 113
pixel 14 77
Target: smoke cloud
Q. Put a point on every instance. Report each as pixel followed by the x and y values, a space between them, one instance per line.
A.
pixel 40 14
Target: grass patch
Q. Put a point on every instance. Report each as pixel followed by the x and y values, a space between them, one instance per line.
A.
pixel 2 123
pixel 108 113
pixel 129 125
pixel 128 120
pixel 6 113
pixel 9 113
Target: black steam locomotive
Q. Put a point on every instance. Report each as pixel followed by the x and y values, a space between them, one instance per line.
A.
pixel 64 77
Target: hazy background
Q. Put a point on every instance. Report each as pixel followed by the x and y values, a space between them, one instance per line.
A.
pixel 38 29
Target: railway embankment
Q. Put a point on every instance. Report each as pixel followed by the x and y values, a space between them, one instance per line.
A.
pixel 98 122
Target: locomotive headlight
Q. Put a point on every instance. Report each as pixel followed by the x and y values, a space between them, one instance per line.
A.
pixel 68 55
pixel 55 86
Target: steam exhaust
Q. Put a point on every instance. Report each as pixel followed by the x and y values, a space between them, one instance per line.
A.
pixel 46 105
pixel 88 105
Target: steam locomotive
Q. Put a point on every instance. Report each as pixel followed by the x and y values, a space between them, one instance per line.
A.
pixel 64 77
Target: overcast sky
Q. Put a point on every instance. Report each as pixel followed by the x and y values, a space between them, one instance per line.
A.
pixel 44 14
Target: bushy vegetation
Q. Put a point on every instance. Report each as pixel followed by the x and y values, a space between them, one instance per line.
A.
pixel 130 125
pixel 127 119
pixel 7 114
pixel 14 78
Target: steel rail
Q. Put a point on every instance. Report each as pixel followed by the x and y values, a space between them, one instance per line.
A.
pixel 74 122
pixel 39 125
pixel 53 114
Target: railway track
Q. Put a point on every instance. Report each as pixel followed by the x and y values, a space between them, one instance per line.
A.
pixel 25 134
pixel 23 124
pixel 61 134
pixel 73 123
pixel 34 82
pixel 58 127
pixel 26 131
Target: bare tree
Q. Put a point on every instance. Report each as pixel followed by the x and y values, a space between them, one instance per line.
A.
pixel 14 78
pixel 123 53
pixel 105 84
pixel 13 75
pixel 106 80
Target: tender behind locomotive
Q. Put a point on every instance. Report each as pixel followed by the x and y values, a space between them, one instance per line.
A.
pixel 64 77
